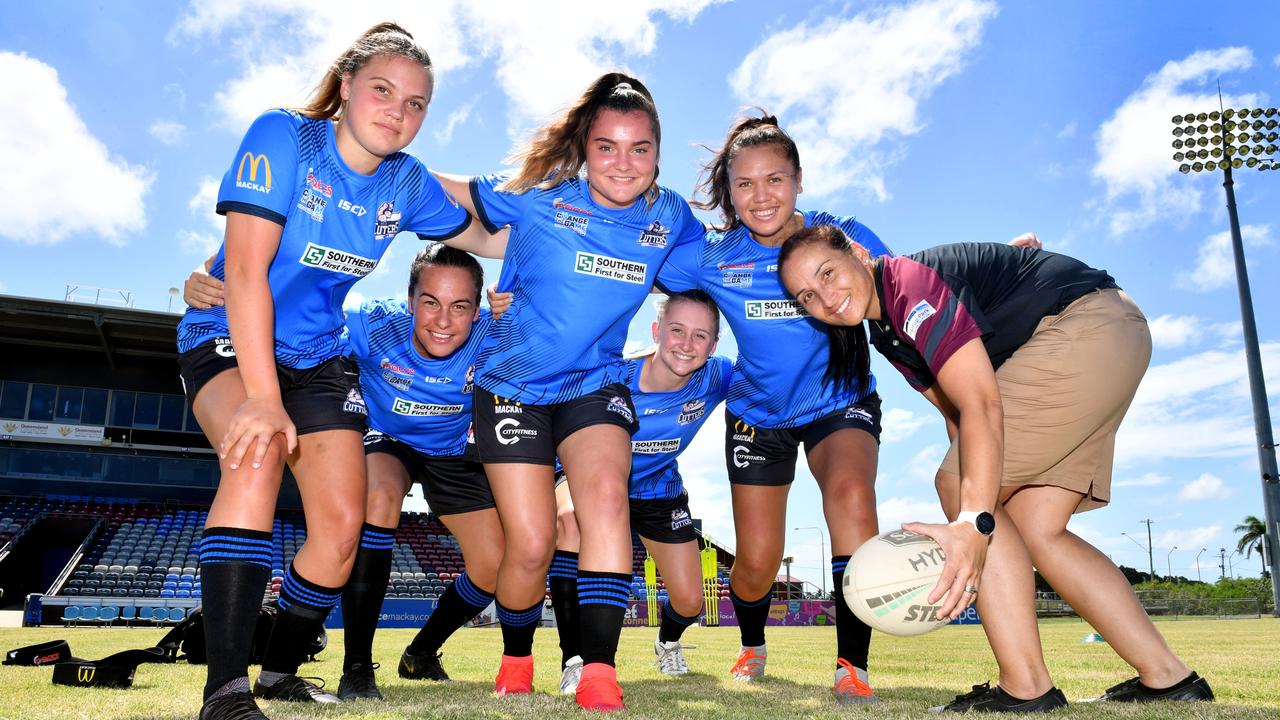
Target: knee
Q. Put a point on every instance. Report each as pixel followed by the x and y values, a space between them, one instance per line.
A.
pixel 687 602
pixel 384 501
pixel 483 571
pixel 567 537
pixel 529 552
pixel 340 534
pixel 756 572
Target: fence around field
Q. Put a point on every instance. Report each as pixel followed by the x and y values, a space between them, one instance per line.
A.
pixel 1165 605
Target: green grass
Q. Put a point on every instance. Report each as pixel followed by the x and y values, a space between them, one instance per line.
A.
pixel 1239 657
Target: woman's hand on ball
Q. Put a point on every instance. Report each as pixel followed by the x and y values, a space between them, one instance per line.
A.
pixel 966 552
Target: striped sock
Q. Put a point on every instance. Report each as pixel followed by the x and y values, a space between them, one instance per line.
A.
pixel 461 601
pixel 235 565
pixel 562 580
pixel 752 616
pixel 363 594
pixel 303 607
pixel 673 623
pixel 602 604
pixel 517 629
pixel 853 637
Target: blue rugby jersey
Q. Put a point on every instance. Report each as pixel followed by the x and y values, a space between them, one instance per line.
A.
pixel 579 271
pixel 782 353
pixel 337 224
pixel 668 422
pixel 424 403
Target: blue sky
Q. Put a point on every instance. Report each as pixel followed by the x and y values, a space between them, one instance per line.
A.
pixel 932 121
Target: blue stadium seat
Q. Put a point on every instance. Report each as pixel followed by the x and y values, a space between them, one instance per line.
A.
pixel 108 614
pixel 177 614
pixel 89 613
pixel 71 614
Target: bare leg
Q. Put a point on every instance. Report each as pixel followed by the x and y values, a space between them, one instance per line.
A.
pixel 681 570
pixel 526 507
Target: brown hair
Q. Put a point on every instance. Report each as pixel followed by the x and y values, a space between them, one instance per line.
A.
pixel 747 132
pixel 437 254
pixel 849 364
pixel 559 150
pixel 698 297
pixel 386 38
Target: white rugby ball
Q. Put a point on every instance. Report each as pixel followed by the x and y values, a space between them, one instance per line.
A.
pixel 887 583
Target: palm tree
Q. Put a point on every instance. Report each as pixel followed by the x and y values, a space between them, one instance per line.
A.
pixel 1254 538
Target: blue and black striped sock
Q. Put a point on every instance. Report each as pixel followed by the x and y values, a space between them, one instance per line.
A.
pixel 461 601
pixel 853 637
pixel 363 594
pixel 602 604
pixel 752 616
pixel 235 565
pixel 562 580
pixel 303 607
pixel 517 629
pixel 673 624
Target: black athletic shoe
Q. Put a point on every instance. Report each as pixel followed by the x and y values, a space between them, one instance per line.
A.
pixel 232 706
pixel 292 688
pixel 421 667
pixel 1190 689
pixel 358 684
pixel 984 698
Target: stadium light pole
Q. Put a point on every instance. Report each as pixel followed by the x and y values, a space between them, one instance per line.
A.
pixel 1241 138
pixel 1168 563
pixel 1147 549
pixel 822 541
pixel 1198 563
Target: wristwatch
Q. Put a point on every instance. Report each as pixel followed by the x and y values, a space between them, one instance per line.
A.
pixel 984 522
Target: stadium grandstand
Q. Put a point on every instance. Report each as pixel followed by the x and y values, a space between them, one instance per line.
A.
pixel 106 479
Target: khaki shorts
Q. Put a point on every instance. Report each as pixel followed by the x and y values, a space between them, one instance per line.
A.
pixel 1064 394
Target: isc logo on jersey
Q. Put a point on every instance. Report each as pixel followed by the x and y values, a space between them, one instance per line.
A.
pixel 327 258
pixel 691 411
pixel 774 310
pixel 655 447
pixel 416 409
pixel 254 161
pixel 610 268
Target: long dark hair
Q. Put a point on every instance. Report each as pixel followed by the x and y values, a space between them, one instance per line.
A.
pixel 386 38
pixel 559 150
pixel 747 132
pixel 849 366
pixel 437 254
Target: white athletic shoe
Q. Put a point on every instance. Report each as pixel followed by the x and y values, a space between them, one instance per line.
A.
pixel 572 673
pixel 750 664
pixel 670 658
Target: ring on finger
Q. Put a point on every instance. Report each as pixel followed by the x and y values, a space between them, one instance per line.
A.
pixel 971 590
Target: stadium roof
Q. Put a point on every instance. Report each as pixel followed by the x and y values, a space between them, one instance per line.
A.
pixel 112 331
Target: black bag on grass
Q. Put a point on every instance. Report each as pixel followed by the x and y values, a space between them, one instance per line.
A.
pixel 186 639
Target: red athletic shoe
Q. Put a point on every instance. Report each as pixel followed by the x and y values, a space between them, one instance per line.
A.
pixel 515 676
pixel 598 689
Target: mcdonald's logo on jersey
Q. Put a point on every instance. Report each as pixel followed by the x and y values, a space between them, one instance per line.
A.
pixel 252 183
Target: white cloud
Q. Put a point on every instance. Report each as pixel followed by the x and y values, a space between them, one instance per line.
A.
pixel 1068 131
pixel 354 300
pixel 199 244
pixel 545 58
pixel 444 135
pixel 1215 266
pixel 168 132
pixel 1276 61
pixel 899 424
pixel 1150 479
pixel 1205 487
pixel 56 178
pixel 204 202
pixel 921 469
pixel 1189 539
pixel 1174 331
pixel 897 510
pixel 849 90
pixel 1134 145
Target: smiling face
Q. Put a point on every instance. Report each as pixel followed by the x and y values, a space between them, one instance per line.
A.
pixel 763 185
pixel 445 304
pixel 686 337
pixel 386 102
pixel 835 286
pixel 622 157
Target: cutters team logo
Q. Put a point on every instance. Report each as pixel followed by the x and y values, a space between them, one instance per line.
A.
pixel 610 268
pixel 387 222
pixel 691 411
pixel 620 406
pixel 254 162
pixel 680 518
pixel 655 235
pixel 856 413
pixel 774 310
pixel 469 385
pixel 326 258
pixel 355 402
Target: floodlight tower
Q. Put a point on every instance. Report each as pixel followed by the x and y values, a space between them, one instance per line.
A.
pixel 1227 140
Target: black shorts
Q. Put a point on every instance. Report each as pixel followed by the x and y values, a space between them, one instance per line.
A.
pixel 664 520
pixel 452 485
pixel 324 397
pixel 761 456
pixel 510 432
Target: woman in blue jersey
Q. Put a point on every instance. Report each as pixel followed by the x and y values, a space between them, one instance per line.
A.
pixel 1033 359
pixel 312 199
pixel 780 396
pixel 582 254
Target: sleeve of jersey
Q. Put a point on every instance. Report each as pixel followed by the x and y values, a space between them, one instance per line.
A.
pixel 497 208
pixel 358 328
pixel 435 215
pixel 862 235
pixel 725 366
pixel 680 270
pixel 262 175
pixel 932 315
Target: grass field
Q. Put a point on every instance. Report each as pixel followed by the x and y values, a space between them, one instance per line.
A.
pixel 1241 658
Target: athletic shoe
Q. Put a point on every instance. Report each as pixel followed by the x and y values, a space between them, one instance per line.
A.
pixel 570 676
pixel 670 658
pixel 984 698
pixel 515 676
pixel 1190 689
pixel 750 664
pixel 421 667
pixel 357 683
pixel 598 689
pixel 232 706
pixel 851 686
pixel 295 689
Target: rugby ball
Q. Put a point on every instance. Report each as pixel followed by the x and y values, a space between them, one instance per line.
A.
pixel 888 580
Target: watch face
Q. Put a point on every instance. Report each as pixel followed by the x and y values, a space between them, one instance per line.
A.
pixel 985 522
